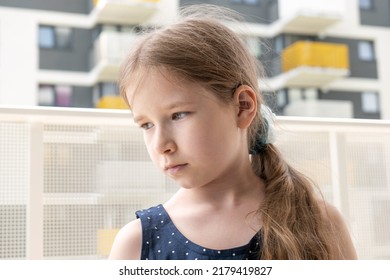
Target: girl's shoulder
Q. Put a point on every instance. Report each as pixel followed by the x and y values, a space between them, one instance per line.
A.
pixel 127 243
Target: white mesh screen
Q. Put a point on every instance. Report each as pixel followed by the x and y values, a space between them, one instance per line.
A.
pixel 309 153
pixel 96 173
pixel 365 163
pixel 95 178
pixel 368 162
pixel 14 179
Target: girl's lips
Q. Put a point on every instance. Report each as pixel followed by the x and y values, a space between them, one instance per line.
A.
pixel 174 169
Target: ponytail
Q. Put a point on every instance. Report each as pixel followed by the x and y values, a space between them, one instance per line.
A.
pixel 293 225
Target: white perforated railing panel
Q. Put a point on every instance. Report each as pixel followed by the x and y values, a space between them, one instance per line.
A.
pixel 95 178
pixel 309 153
pixel 14 183
pixel 96 172
pixel 368 165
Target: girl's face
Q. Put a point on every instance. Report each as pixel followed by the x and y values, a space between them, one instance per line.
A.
pixel 189 134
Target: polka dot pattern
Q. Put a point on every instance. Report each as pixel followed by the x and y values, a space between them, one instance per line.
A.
pixel 163 241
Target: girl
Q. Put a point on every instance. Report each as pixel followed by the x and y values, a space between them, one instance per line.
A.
pixel 193 89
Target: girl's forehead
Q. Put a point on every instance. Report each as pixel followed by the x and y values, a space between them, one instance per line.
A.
pixel 165 86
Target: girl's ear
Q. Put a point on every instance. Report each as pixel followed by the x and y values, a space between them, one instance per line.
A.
pixel 246 104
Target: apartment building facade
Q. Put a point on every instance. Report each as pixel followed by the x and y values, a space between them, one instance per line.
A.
pixel 67 53
pixel 321 58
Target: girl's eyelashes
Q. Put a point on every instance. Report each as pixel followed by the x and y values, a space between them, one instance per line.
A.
pixel 146 126
pixel 174 117
pixel 179 115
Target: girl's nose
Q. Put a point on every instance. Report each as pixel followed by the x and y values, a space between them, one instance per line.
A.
pixel 164 142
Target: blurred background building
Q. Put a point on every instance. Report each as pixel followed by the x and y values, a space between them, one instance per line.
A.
pixel 71 177
pixel 325 58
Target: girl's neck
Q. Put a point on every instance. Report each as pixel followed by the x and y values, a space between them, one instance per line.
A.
pixel 221 214
pixel 236 188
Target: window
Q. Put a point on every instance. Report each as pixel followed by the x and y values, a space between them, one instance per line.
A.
pixel 246 2
pixel 104 89
pixel 294 94
pixel 279 44
pixel 109 27
pixel 365 4
pixel 310 94
pixel 63 96
pixel 46 96
pixel 49 95
pixel 109 89
pixel 370 102
pixel 46 37
pixel 251 2
pixel 51 37
pixel 366 51
pixel 281 98
pixel 64 37
pixel 254 46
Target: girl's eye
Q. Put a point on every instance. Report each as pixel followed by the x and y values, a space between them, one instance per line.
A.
pixel 179 115
pixel 146 126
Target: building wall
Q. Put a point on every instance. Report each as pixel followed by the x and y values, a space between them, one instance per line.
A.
pixel 68 6
pixel 378 15
pixel 82 97
pixel 266 11
pixel 352 28
pixel 44 66
pixel 18 69
pixel 74 58
pixel 358 68
pixel 355 98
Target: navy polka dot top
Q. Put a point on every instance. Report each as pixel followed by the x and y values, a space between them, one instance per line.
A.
pixel 161 240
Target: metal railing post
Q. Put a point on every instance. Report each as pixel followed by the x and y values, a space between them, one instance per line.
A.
pixel 34 232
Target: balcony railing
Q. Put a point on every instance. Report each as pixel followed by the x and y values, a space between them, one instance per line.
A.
pixel 310 17
pixel 69 178
pixel 312 64
pixel 125 11
pixel 111 102
pixel 315 54
pixel 109 50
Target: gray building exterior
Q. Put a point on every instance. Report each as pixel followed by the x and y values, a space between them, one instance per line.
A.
pixel 71 48
pixel 263 11
pixel 67 6
pixel 375 13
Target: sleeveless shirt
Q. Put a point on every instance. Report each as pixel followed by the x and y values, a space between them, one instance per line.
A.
pixel 161 240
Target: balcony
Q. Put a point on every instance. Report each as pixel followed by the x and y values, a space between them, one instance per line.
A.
pixel 62 168
pixel 312 64
pixel 111 102
pixel 109 50
pixel 125 11
pixel 309 17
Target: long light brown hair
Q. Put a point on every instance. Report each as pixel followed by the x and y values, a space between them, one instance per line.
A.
pixel 200 48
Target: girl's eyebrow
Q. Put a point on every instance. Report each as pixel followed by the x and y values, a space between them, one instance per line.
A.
pixel 137 118
pixel 170 107
pixel 178 104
